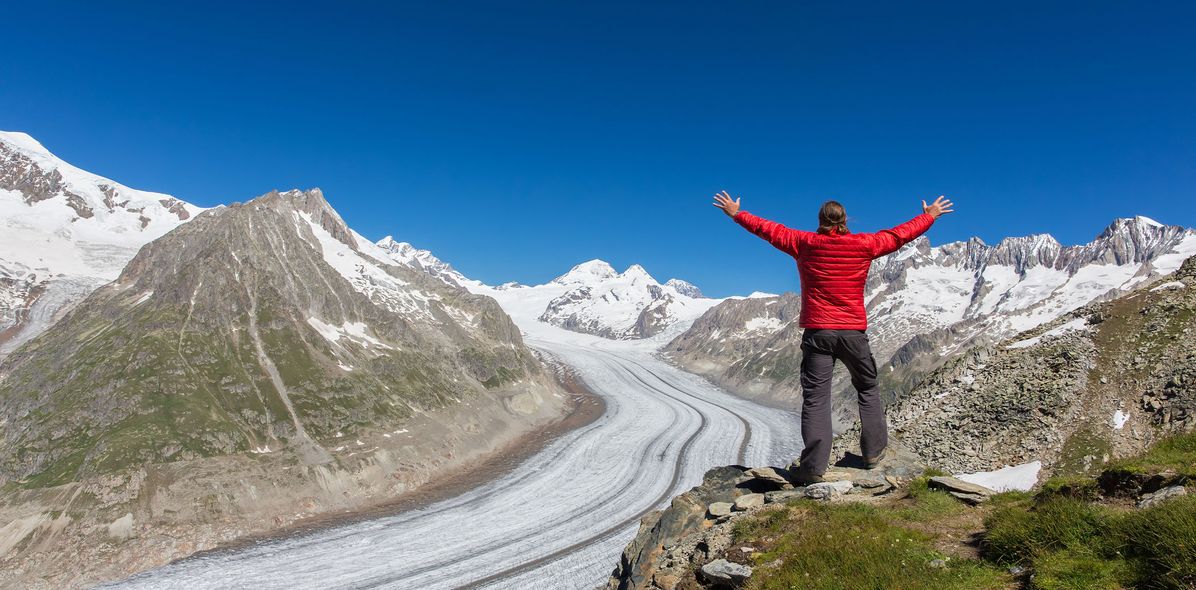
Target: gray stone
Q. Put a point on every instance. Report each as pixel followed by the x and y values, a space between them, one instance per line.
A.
pixel 725 574
pixel 972 499
pixel 782 495
pixel 1161 496
pixel 747 501
pixel 951 484
pixel 820 493
pixel 828 488
pixel 718 509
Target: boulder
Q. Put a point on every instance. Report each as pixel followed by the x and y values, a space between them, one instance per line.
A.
pixel 747 501
pixel 828 489
pixel 772 475
pixel 1160 496
pixel 719 509
pixel 950 484
pixel 725 574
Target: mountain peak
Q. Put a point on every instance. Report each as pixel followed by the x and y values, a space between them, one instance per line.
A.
pixel 636 271
pixel 317 209
pixel 1139 224
pixel 685 288
pixel 586 272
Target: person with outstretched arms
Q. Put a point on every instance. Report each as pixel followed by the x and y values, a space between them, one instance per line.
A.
pixel 832 265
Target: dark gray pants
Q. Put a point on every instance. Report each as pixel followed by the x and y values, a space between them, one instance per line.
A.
pixel 820 349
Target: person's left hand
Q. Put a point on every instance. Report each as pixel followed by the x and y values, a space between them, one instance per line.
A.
pixel 723 201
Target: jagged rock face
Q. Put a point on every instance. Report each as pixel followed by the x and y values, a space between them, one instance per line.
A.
pixel 1105 380
pixel 63 233
pixel 926 304
pixel 598 300
pixel 423 260
pixel 252 328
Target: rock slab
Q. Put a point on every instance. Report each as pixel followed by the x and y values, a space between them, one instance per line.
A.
pixel 748 501
pixel 725 574
pixel 1161 496
pixel 719 509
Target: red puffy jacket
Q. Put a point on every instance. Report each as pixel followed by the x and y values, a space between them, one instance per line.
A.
pixel 834 267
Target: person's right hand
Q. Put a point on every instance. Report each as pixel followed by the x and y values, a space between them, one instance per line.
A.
pixel 723 201
pixel 940 206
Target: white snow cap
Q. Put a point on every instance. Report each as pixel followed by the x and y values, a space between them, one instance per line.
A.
pixel 636 271
pixel 91 227
pixel 586 272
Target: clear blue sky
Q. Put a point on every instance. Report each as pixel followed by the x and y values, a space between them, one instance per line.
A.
pixel 515 139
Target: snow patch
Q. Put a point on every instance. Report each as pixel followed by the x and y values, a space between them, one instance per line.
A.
pixel 767 324
pixel 1169 285
pixel 1018 477
pixel 1071 326
pixel 1118 420
pixel 353 331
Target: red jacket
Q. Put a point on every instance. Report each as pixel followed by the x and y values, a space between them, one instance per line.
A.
pixel 834 267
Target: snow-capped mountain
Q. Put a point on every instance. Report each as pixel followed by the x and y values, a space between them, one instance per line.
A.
pixel 993 292
pixel 926 303
pixel 64 232
pixel 598 300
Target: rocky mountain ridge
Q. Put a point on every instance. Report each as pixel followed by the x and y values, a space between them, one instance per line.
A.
pixel 1103 381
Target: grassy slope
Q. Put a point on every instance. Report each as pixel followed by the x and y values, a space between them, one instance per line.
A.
pixel 1066 536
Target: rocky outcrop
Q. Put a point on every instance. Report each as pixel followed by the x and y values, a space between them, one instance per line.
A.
pixel 686 544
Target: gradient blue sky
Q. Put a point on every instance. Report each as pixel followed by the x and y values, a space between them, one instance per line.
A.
pixel 515 139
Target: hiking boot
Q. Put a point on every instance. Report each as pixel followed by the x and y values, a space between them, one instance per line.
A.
pixel 874 462
pixel 802 478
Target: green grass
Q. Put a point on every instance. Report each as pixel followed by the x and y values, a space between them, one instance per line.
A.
pixel 1177 453
pixel 854 546
pixel 1072 543
pixel 1161 540
pixel 1080 488
pixel 1078 569
pixel 1017 535
pixel 925 503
